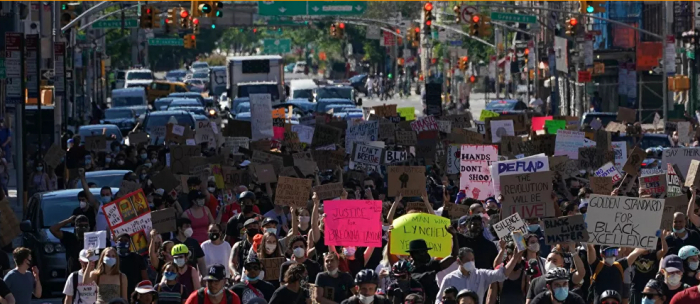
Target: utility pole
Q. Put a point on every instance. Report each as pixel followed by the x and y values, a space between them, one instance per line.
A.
pixel 667 10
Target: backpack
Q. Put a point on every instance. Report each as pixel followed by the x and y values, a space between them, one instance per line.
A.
pixel 227 296
pixel 75 285
pixel 598 269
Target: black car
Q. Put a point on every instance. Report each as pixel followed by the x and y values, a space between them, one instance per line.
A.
pixel 649 140
pixel 44 210
pixel 604 117
pixel 358 83
pixel 125 118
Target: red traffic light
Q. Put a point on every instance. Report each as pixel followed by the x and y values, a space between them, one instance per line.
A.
pixel 465 58
pixel 184 14
pixel 573 21
pixel 255 30
pixel 341 25
pixel 428 22
pixel 193 37
pixel 527 51
pixel 149 11
pixel 475 19
pixel 195 21
pixel 428 6
pixel 416 29
pixel 398 31
pixel 472 79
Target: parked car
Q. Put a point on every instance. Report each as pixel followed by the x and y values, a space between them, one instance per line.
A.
pixel 109 178
pixel 299 67
pixel 649 140
pixel 176 75
pixel 507 106
pixel 604 117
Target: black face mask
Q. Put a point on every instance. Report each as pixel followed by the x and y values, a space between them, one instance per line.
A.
pixel 247 208
pixel 449 302
pixel 422 258
pixel 491 212
pixel 214 236
pixel 252 232
pixel 157 202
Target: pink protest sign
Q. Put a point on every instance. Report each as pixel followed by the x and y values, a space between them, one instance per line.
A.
pixel 538 122
pixel 353 223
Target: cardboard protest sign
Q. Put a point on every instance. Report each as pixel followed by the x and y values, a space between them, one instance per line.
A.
pixel 130 214
pixel 406 181
pixel 395 157
pixel 385 110
pixel 501 128
pixel 9 224
pixel 164 220
pixel 272 267
pixel 95 240
pixel 680 157
pixel 654 185
pixel 329 159
pixel 634 161
pixel 329 191
pixel 353 223
pixel 360 132
pixel 601 185
pixel 460 136
pixel 623 221
pixel 53 155
pixel 387 130
pixel 460 121
pixel 421 226
pixel 293 192
pixel 165 180
pixel 424 124
pixel 552 126
pixel 233 144
pixel 265 173
pixel 276 159
pixel 591 158
pixel 530 164
pixel 305 133
pixel 529 194
pixel 538 122
pixel 444 126
pixel 671 206
pixel 609 170
pixel 455 210
pixel 475 176
pixel 177 133
pixel 367 154
pixel 626 115
pixel 426 149
pixel 509 224
pixel 203 133
pixel 406 138
pixel 693 178
pixel 261 117
pixel 179 156
pixel 565 229
pixel 306 167
pixel 126 187
pixel 620 149
pixel 564 166
pixel 568 143
pixel 674 182
pixel 615 127
pixel 95 143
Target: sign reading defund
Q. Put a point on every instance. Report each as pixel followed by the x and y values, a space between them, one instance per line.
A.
pixel 624 221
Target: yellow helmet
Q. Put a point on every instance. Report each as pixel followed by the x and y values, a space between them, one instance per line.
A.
pixel 179 249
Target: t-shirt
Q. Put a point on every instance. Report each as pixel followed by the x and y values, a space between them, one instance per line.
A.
pixel 73 246
pixel 341 285
pixel 608 278
pixel 87 293
pixel 284 295
pixel 194 248
pixel 216 254
pixel 537 286
pixel 645 268
pixel 235 225
pixel 131 266
pixel 245 293
pixel 312 268
pixel 546 298
pixel 688 296
pixel 192 299
pixel 485 251
pixel 426 275
pixel 676 243
pixel 4 290
pixel 21 285
pixel 670 293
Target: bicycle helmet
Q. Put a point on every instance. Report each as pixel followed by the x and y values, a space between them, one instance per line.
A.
pixel 556 274
pixel 468 293
pixel 366 276
pixel 688 251
pixel 246 194
pixel 610 294
pixel 179 249
pixel 401 267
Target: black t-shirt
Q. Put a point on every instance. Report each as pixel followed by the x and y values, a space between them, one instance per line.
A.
pixel 356 300
pixel 689 277
pixel 546 298
pixel 195 250
pixel 4 290
pixel 73 246
pixel 89 213
pixel 235 224
pixel 670 293
pixel 246 294
pixel 426 275
pixel 285 296
pixel 341 285
pixel 485 251
pixel 312 268
pixel 537 286
pixel 645 268
pixel 131 266
pixel 675 243
pixel 609 277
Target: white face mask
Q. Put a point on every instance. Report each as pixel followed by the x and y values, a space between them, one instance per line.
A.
pixel 299 252
pixel 83 204
pixel 549 266
pixel 188 232
pixel 270 248
pixel 534 247
pixel 609 260
pixel 211 190
pixel 469 266
pixel 366 299
pixel 304 219
pixel 180 262
pixel 673 280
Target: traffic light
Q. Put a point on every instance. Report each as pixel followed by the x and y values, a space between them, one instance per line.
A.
pixel 190 41
pixel 194 7
pixel 485 25
pixel 195 26
pixel 463 63
pixel 427 18
pixel 585 7
pixel 472 79
pixel 155 17
pixel 67 14
pixel 416 34
pixel 458 13
pixel 204 8
pixel 145 18
pixel 341 30
pixel 474 25
pixel 217 8
pixel 597 6
pixel 334 31
pixel 571 25
pixel 173 16
pixel 400 61
pixel 184 19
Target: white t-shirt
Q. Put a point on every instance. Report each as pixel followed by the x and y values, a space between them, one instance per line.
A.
pixel 216 254
pixel 87 292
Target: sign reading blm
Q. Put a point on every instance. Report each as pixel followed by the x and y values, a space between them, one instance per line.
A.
pixel 624 221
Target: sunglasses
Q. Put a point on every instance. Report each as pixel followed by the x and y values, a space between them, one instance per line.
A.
pixel 649 296
pixel 253 267
pixel 610 302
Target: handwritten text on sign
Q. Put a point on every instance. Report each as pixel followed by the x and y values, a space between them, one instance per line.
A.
pixel 528 194
pixel 475 177
pixel 353 223
pixel 624 221
pixel 421 226
pixel 535 163
pixel 564 229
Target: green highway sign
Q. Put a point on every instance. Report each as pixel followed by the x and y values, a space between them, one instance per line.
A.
pixel 277 46
pixel 2 68
pixel 278 21
pixel 166 42
pixel 509 17
pixel 111 24
pixel 311 8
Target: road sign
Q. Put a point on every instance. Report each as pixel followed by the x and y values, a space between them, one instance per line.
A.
pixel 13 66
pixel 32 57
pixel 510 17
pixel 47 74
pixel 313 8
pixel 59 81
pixel 468 12
pixel 166 42
pixel 584 76
pixel 112 24
pixel 277 46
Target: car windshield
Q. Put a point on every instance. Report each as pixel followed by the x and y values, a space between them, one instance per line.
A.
pixel 162 104
pixel 303 93
pixel 139 76
pixel 162 120
pixel 242 108
pixel 118 113
pixel 109 180
pixel 109 132
pixel 200 65
pixel 323 107
pixel 185 103
pixel 193 110
pixel 56 209
pixel 356 78
pixel 246 90
pixel 343 93
pixel 501 105
pixel 127 101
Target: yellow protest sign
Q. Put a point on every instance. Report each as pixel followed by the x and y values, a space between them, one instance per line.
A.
pixel 415 226
pixel 408 113
pixel 486 114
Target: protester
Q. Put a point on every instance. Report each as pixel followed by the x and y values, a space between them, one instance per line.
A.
pixel 691 259
pixel 131 264
pixel 170 291
pixel 608 274
pixel 295 277
pixel 215 291
pixel 216 251
pixel 199 216
pixel 671 271
pixel 235 224
pixel 240 250
pixel 471 236
pixel 332 279
pixel 184 233
pixel 111 283
pixel 76 278
pixel 20 281
pixel 144 293
pixel 186 274
pixel 73 242
pixel 253 284
pixel 558 289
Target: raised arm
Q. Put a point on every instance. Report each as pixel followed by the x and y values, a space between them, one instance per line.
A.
pixel 315 229
pixel 153 247
pixel 694 218
pixel 580 272
pixel 635 254
pixel 56 228
pixel 590 252
pixel 394 207
pixel 446 262
pixel 664 245
pixel 91 198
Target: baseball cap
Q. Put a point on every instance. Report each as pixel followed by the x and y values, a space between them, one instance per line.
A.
pixel 463 220
pixel 145 287
pixel 268 220
pixel 672 263
pixel 217 272
pixel 250 221
pixel 83 256
pixel 159 192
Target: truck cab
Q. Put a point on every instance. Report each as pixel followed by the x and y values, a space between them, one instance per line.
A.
pixel 266 72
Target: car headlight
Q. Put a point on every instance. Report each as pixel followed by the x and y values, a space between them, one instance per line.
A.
pixel 48 248
pixel 59 248
pixel 212 112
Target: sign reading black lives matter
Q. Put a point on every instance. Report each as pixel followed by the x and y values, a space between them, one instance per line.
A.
pixel 624 221
pixel 564 229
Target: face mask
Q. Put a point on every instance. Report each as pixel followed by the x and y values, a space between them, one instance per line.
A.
pixel 154 160
pixel 534 247
pixel 304 219
pixel 271 230
pixel 106 199
pixel 123 248
pixel 679 230
pixel 609 260
pixel 144 155
pixel 247 208
pixel 180 262
pixel 39 169
pixel 249 279
pixel 549 266
pixel 365 299
pixel 143 176
pixel 215 294
pixel 491 212
pixel 252 232
pixel 469 266
pixel 349 251
pixel 299 252
pixel 533 228
pixel 211 190
pixel 270 248
pixel 109 261
pixel 200 202
pixel 120 162
pixel 108 160
pixel 171 276
pixel 561 293
pixel 646 300
pixel 83 204
pixel 673 280
pixel 693 265
pixel 333 272
pixel 214 236
pixel 188 232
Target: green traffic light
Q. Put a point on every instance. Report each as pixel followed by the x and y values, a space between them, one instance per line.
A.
pixel 213 26
pixel 64 6
pixel 219 14
pixel 389 75
pixel 589 9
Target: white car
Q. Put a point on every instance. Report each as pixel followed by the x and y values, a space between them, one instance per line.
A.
pixel 299 67
pixel 138 78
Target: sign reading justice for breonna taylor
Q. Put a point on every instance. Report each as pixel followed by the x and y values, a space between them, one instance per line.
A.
pixel 624 221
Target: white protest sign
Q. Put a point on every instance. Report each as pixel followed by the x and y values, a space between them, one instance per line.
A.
pixel 680 157
pixel 393 157
pixel 360 132
pixel 475 177
pixel 445 126
pixel 204 133
pixel 652 171
pixel 508 225
pixel 261 116
pixel 178 130
pixel 620 149
pixel 305 133
pixel 97 239
pixel 453 159
pixel 87 293
pixel 622 221
pixel 190 142
pixel 568 142
pixel 683 132
pixel 237 142
pixel 367 154
pixel 500 128
pixel 609 170
pixel 534 163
